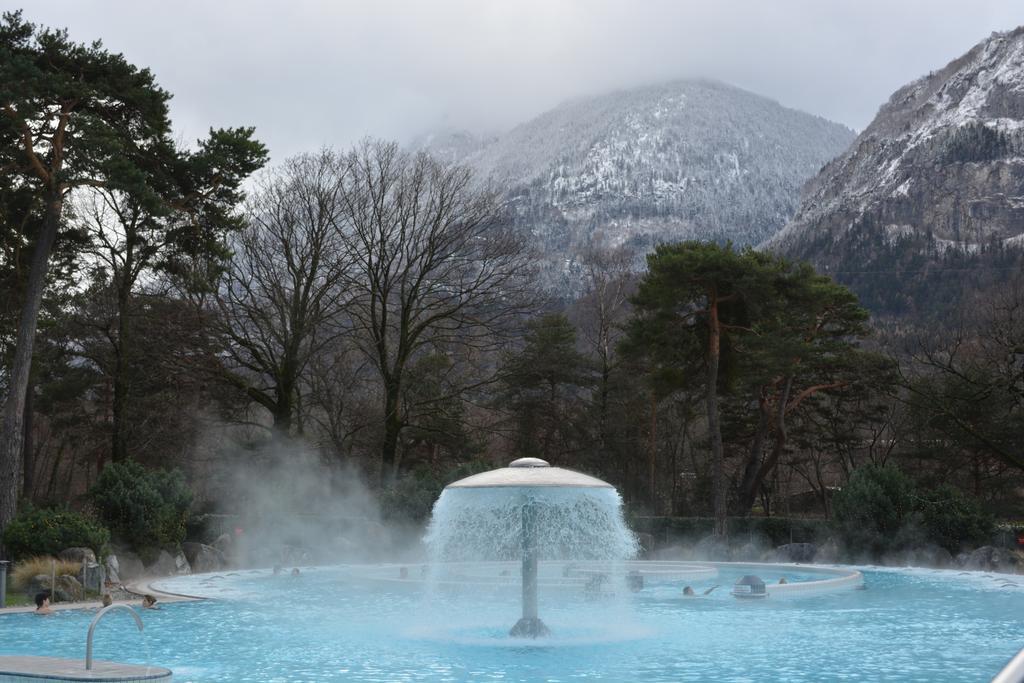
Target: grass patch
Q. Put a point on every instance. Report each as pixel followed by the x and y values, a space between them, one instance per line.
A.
pixel 25 570
pixel 18 599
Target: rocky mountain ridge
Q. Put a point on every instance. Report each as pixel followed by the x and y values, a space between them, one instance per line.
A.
pixel 687 159
pixel 935 184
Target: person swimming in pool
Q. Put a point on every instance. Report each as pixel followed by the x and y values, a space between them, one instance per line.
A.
pixel 149 602
pixel 43 603
pixel 689 593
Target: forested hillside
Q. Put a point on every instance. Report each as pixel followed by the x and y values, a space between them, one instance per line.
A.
pixel 924 215
pixel 681 160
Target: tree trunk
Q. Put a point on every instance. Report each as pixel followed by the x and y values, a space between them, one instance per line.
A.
pixel 714 425
pixel 123 346
pixel 652 456
pixel 392 431
pixel 283 408
pixel 28 463
pixel 12 432
pixel 747 492
pixel 119 436
pixel 823 487
pixel 602 413
pixel 751 486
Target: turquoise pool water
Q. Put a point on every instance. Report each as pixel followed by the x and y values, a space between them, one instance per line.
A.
pixel 326 625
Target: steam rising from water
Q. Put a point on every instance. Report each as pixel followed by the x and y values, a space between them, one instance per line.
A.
pixel 484 524
pixel 293 507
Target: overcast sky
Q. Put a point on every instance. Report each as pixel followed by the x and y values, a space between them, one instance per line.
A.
pixel 309 73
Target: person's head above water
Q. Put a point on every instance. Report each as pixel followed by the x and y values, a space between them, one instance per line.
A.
pixel 295 572
pixel 107 600
pixel 688 591
pixel 149 602
pixel 43 600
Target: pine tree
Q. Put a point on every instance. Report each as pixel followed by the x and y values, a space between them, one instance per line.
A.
pixel 542 385
pixel 695 298
pixel 76 116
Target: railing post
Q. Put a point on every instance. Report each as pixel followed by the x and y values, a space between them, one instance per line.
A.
pixel 3 583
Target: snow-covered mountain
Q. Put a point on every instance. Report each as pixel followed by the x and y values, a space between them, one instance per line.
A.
pixel 929 200
pixel 687 159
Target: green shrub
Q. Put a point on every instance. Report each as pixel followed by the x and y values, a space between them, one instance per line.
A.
pixel 147 508
pixel 954 521
pixel 875 511
pixel 42 531
pixel 881 510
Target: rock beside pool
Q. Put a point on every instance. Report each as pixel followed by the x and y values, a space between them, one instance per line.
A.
pixel 69 585
pixel 93 576
pixel 796 552
pixel 167 564
pixel 224 543
pixel 67 589
pixel 78 555
pixel 129 566
pixel 113 567
pixel 989 558
pixel 203 558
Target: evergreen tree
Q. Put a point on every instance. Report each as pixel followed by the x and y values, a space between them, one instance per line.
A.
pixel 74 116
pixel 542 387
pixel 805 346
pixel 697 297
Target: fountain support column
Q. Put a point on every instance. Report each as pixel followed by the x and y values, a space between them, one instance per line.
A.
pixel 527 478
pixel 529 625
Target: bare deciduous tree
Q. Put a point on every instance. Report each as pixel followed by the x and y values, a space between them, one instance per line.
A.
pixel 434 268
pixel 601 312
pixel 281 299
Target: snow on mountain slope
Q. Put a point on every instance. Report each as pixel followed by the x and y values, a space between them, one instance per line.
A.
pixel 928 202
pixel 943 154
pixel 687 159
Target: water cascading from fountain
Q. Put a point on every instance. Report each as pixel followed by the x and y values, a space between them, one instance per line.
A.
pixel 531 512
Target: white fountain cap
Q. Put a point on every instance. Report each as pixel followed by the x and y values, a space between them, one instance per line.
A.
pixel 529 472
pixel 529 462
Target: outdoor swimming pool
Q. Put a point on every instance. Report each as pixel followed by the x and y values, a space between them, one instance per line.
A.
pixel 331 625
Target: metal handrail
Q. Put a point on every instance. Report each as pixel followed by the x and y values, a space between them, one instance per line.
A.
pixel 96 620
pixel 1013 672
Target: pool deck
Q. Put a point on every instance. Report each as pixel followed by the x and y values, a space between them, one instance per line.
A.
pixel 140 588
pixel 18 667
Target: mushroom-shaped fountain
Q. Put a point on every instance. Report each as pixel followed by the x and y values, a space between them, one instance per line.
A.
pixel 536 511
